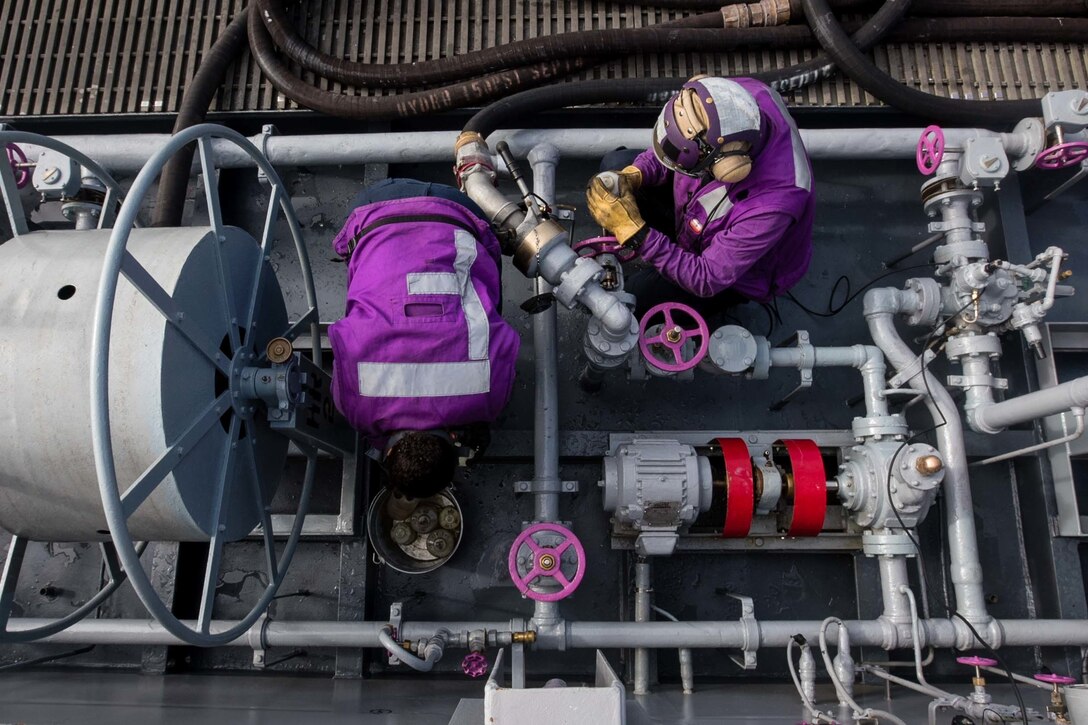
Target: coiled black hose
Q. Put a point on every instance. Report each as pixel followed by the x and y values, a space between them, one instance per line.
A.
pixel 853 62
pixel 583 44
pixel 515 109
pixel 419 103
pixel 199 94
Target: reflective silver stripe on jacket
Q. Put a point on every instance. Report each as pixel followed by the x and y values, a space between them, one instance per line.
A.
pixel 715 203
pixel 424 380
pixel 802 175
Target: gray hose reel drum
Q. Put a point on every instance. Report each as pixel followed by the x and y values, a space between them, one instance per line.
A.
pixel 159 384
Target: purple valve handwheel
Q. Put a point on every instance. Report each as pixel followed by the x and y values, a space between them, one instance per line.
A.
pixel 930 150
pixel 1062 155
pixel 672 337
pixel 595 246
pixel 546 562
pixel 1052 679
pixel 474 664
pixel 977 661
pixel 17 158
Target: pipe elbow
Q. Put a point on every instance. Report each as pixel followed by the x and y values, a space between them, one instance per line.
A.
pixel 882 301
pixel 544 153
pixel 616 318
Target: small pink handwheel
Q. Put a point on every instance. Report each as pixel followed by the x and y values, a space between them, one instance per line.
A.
pixel 474 664
pixel 672 337
pixel 977 661
pixel 1052 679
pixel 1062 155
pixel 17 159
pixel 930 150
pixel 595 246
pixel 537 556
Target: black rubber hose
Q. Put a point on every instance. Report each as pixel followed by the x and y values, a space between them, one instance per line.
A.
pixel 989 30
pixel 458 95
pixel 517 108
pixel 584 44
pixel 199 94
pixel 851 61
pixel 1032 8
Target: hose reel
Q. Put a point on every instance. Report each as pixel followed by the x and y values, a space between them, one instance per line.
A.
pixel 183 445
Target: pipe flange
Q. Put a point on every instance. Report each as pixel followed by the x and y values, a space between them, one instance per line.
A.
pixel 1034 134
pixel 973 249
pixel 584 271
pixel 733 349
pixel 889 544
pixel 879 427
pixel 928 293
pixel 963 345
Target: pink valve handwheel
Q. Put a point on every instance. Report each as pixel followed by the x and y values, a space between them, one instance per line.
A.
pixel 15 158
pixel 547 562
pixel 977 661
pixel 673 336
pixel 930 150
pixel 1062 155
pixel 604 245
pixel 474 664
pixel 1051 679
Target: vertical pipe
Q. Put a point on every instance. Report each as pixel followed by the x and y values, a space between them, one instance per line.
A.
pixel 893 578
pixel 643 592
pixel 544 159
pixel 880 307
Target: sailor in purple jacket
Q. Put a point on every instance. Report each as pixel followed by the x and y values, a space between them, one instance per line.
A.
pixel 722 203
pixel 422 352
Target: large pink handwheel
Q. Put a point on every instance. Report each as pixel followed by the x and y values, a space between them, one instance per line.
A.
pixel 595 246
pixel 930 150
pixel 1062 155
pixel 17 159
pixel 531 560
pixel 672 337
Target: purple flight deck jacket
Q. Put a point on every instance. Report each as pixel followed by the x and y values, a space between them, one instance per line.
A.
pixel 753 236
pixel 421 345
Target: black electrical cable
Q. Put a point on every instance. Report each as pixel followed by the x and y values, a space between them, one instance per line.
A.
pixel 832 308
pixel 199 94
pixel 45 659
pixel 521 107
pixel 857 66
pixel 951 611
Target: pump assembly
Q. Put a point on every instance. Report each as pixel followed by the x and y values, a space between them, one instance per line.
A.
pixel 560 411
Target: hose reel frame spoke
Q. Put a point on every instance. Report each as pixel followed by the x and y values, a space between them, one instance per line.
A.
pixel 13 566
pixel 117 262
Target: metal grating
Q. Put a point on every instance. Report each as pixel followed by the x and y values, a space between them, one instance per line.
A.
pixel 98 57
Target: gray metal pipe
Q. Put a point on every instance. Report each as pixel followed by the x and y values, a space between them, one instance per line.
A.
pixel 893 576
pixel 654 634
pixel 866 359
pixel 643 595
pixel 543 159
pixel 881 306
pixel 128 153
pixel 1040 404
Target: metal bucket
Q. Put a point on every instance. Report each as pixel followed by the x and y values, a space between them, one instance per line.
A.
pixel 409 545
pixel 1076 700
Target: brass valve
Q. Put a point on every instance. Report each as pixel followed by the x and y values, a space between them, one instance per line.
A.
pixel 526 637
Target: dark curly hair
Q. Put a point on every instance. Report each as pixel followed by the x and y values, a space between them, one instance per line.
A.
pixel 420 465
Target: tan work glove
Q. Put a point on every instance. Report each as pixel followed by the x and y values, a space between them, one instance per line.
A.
pixel 617 214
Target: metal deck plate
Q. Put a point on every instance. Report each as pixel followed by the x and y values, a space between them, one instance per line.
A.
pixel 62 57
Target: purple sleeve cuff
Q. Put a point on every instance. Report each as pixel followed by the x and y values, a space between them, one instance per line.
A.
pixel 653 172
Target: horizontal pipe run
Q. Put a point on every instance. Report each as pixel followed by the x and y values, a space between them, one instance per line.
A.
pixel 128 153
pixel 1040 404
pixel 656 634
